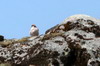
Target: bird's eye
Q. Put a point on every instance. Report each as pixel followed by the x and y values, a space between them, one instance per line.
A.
pixel 34 26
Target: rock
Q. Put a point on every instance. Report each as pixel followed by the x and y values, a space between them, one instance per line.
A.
pixel 1 38
pixel 5 64
pixel 74 42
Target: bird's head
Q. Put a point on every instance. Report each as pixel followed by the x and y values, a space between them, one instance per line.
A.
pixel 33 25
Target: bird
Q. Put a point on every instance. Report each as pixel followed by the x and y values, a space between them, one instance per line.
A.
pixel 34 31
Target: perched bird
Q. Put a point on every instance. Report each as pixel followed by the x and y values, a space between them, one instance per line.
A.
pixel 34 31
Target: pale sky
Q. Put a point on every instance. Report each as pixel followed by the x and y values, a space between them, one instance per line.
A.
pixel 16 16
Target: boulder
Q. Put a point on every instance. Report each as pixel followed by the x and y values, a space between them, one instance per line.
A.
pixel 74 42
pixel 1 38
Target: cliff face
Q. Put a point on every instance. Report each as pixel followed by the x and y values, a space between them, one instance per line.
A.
pixel 74 42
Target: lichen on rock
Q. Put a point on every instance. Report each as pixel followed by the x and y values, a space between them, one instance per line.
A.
pixel 74 42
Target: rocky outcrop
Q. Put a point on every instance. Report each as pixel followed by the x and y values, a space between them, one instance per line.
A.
pixel 1 38
pixel 74 42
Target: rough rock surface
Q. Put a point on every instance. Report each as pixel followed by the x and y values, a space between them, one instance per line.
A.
pixel 1 38
pixel 74 42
